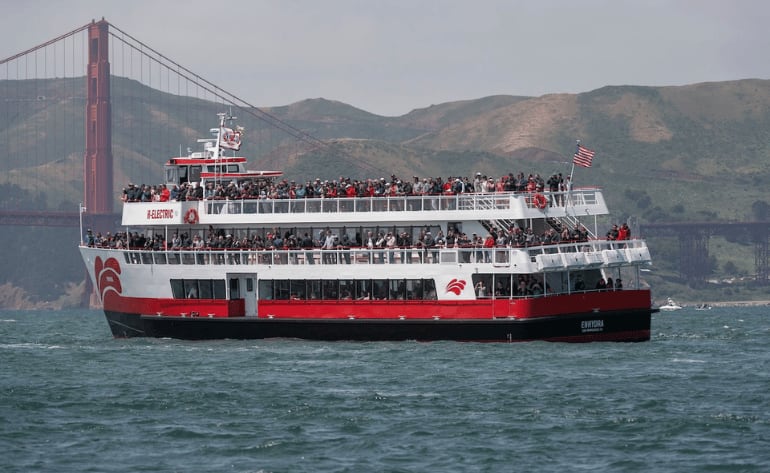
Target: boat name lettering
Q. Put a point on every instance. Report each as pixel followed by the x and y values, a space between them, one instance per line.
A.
pixel 155 214
pixel 592 325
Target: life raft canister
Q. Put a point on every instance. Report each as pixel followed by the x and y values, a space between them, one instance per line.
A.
pixel 539 201
pixel 191 216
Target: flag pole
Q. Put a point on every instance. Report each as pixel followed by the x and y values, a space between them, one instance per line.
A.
pixel 577 147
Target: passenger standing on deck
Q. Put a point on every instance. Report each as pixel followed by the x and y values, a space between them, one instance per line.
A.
pixel 369 243
pixel 405 242
pixel 390 244
pixel 429 245
pixel 345 243
pixel 489 245
pixel 307 244
pixel 328 247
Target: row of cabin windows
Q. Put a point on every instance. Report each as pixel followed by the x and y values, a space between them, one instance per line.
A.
pixel 198 288
pixel 310 289
pixel 347 289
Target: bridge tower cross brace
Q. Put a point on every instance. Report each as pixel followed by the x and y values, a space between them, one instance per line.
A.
pixel 694 254
pixel 97 180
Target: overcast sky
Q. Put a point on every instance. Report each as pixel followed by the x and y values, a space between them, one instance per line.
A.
pixel 389 57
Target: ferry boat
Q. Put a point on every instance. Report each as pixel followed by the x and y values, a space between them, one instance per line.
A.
pixel 210 264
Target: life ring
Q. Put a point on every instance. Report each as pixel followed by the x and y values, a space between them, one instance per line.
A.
pixel 191 216
pixel 539 201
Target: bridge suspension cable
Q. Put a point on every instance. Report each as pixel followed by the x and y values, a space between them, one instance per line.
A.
pixel 222 94
pixel 44 45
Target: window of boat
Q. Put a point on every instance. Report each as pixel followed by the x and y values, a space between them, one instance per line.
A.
pixel 413 289
pixel 314 288
pixel 482 284
pixel 329 289
pixel 219 289
pixel 198 288
pixel 379 289
pixel 195 173
pixel 297 288
pixel 172 175
pixel 265 289
pixel 429 289
pixel 363 289
pixel 146 257
pixel 177 288
pixel 282 289
pixel 160 258
pixel 502 285
pixel 206 291
pixel 396 289
pixel 347 289
pixel 191 289
pixel 235 289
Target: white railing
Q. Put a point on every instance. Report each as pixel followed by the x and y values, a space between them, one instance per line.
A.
pixel 554 257
pixel 409 203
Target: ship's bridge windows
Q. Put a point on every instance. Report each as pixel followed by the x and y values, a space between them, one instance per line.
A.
pixel 172 175
pixel 220 168
pixel 180 174
pixel 195 174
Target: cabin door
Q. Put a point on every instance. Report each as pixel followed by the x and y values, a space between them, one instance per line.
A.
pixel 244 286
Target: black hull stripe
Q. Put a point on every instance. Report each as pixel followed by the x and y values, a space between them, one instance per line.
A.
pixel 610 326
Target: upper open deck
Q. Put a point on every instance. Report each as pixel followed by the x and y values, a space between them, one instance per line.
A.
pixel 408 208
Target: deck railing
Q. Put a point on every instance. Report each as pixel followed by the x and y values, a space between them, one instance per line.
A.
pixel 406 203
pixel 553 257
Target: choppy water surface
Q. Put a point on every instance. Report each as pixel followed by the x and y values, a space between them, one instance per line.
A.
pixel 695 398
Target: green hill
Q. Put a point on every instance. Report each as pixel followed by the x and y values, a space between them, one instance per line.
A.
pixel 698 152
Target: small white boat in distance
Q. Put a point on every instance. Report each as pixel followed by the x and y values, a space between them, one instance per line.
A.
pixel 670 305
pixel 703 306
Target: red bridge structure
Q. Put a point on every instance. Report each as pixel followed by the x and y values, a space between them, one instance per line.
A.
pixel 65 118
pixel 43 87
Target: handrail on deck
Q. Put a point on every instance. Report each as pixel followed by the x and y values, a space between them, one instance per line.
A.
pixel 406 203
pixel 497 256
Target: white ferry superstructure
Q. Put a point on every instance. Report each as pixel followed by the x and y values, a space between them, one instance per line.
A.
pixel 356 292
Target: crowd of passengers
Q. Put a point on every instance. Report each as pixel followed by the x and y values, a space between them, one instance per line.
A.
pixel 347 187
pixel 328 240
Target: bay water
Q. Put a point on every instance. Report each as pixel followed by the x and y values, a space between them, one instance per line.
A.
pixel 695 398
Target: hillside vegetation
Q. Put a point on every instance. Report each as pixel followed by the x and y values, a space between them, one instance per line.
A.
pixel 699 152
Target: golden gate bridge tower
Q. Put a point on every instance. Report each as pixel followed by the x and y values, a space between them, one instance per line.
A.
pixel 65 97
pixel 97 177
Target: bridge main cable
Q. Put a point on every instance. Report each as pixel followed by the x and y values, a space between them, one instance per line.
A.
pixel 224 95
pixel 47 43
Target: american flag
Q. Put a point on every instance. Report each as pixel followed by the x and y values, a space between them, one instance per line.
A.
pixel 231 139
pixel 583 156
